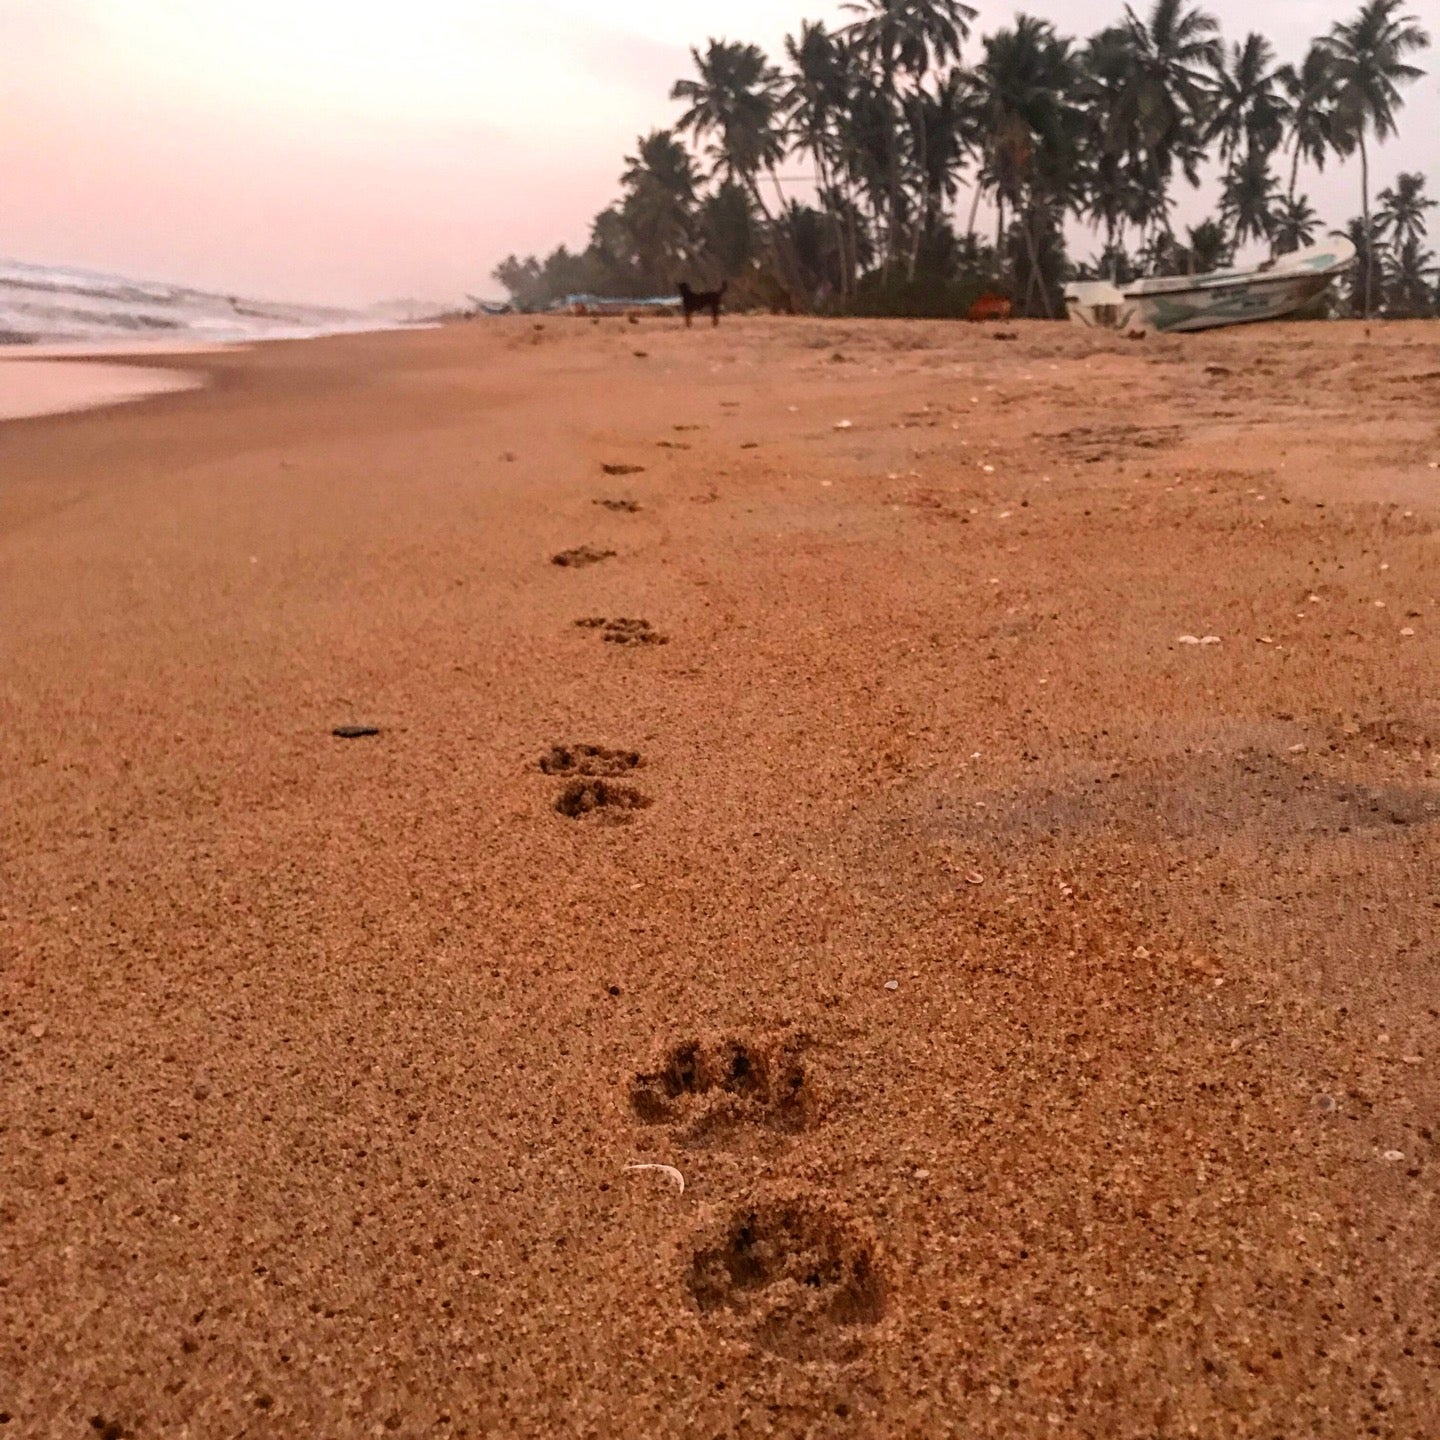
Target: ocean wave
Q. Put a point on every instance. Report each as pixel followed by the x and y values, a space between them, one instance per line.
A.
pixel 50 304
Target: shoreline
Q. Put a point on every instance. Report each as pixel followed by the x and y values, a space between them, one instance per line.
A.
pixel 32 387
pixel 66 377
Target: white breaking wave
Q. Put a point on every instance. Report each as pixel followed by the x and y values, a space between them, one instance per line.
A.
pixel 49 304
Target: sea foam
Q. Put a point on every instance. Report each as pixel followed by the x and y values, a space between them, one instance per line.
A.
pixel 51 304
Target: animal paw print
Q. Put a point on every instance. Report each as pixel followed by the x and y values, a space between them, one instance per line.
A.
pixel 622 631
pixel 705 1088
pixel 792 1276
pixel 581 556
pixel 592 789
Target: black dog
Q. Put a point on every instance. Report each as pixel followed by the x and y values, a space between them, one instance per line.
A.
pixel 700 300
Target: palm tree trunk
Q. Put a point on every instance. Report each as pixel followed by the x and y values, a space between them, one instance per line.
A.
pixel 1365 210
pixel 892 164
pixel 1032 246
pixel 822 180
pixel 1294 169
pixel 780 245
pixel 974 209
pixel 921 148
pixel 779 193
pixel 851 229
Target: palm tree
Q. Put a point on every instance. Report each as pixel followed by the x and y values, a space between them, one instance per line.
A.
pixel 815 96
pixel 1209 247
pixel 1310 99
pixel 1367 260
pixel 660 158
pixel 1294 224
pixel 947 130
pixel 815 89
pixel 1369 58
pixel 911 36
pixel 659 207
pixel 1026 86
pixel 1113 174
pixel 1247 197
pixel 1161 254
pixel 1173 53
pixel 1249 106
pixel 865 139
pixel 736 105
pixel 1400 218
pixel 905 38
pixel 1409 290
pixel 727 230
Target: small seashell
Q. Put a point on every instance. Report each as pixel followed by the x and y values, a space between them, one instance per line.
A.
pixel 668 1170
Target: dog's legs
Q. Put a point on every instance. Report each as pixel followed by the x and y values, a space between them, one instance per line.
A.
pixel 687 319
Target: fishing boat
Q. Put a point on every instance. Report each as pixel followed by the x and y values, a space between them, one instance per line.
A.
pixel 617 304
pixel 1235 296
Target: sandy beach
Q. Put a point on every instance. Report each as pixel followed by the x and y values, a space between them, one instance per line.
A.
pixel 966 805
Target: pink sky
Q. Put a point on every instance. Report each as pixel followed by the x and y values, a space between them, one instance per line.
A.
pixel 355 150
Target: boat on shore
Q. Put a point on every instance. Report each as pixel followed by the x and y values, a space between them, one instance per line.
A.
pixel 618 304
pixel 1236 296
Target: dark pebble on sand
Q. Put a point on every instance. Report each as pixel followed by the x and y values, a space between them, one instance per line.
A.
pixel 354 732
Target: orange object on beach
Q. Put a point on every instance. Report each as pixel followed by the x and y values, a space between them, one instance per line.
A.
pixel 989 306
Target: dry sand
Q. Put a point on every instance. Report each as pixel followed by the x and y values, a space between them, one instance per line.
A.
pixel 1040 1012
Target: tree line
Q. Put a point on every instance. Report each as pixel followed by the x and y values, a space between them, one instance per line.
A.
pixel 901 141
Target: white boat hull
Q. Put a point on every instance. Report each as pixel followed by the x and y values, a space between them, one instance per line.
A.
pixel 1221 297
pixel 1244 301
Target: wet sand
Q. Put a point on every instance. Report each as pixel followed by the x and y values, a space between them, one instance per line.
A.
pixel 1036 1001
pixel 53 386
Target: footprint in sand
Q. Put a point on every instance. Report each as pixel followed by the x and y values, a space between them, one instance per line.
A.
pixel 580 556
pixel 593 789
pixel 789 1275
pixel 589 760
pixel 704 1088
pixel 627 507
pixel 617 469
pixel 605 799
pixel 622 631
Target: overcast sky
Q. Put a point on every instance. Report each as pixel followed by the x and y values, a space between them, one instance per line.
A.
pixel 354 150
